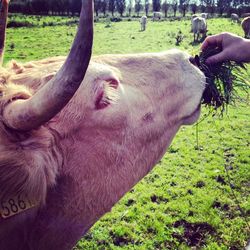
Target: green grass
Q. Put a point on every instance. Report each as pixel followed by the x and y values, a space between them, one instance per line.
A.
pixel 198 194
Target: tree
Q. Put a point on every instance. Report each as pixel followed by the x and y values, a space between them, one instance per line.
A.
pixel 130 7
pixel 121 6
pixel 202 6
pixel 112 6
pixel 146 6
pixel 156 5
pixel 104 6
pixel 97 6
pixel 138 7
pixel 75 6
pixel 18 7
pixel 165 7
pixel 59 6
pixel 65 6
pixel 222 6
pixel 174 6
pixel 39 7
pixel 184 6
pixel 193 6
pixel 210 5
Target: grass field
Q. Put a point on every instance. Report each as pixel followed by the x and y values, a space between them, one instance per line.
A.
pixel 198 195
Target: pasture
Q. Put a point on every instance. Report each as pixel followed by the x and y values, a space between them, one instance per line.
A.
pixel 198 195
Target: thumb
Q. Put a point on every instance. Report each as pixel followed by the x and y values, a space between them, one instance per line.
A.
pixel 220 57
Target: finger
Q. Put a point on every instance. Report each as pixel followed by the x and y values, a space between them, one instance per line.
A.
pixel 220 57
pixel 212 41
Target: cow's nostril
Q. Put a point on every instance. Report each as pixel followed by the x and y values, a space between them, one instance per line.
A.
pixel 192 60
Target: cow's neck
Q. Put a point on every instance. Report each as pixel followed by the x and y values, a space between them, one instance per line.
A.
pixel 103 172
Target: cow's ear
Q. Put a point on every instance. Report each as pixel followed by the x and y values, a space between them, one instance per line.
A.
pixel 110 95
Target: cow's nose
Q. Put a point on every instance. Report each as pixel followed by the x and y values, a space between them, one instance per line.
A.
pixel 192 60
pixel 195 60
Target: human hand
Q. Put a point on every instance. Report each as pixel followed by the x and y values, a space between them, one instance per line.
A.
pixel 232 47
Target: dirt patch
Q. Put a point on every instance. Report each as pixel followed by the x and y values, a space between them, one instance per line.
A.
pixel 158 199
pixel 122 240
pixel 219 205
pixel 220 179
pixel 200 184
pixel 194 233
pixel 130 202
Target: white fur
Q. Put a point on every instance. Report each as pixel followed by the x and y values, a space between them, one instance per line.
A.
pixel 143 22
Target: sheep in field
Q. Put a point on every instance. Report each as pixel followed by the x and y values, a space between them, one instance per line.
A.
pixel 156 16
pixel 235 18
pixel 143 22
pixel 199 26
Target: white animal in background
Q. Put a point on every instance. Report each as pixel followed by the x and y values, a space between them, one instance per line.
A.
pixel 245 24
pixel 157 16
pixel 235 18
pixel 204 15
pixel 143 22
pixel 199 26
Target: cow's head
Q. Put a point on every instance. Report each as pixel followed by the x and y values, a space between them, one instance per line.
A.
pixel 27 147
pixel 124 116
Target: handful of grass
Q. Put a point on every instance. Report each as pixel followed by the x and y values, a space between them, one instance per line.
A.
pixel 225 82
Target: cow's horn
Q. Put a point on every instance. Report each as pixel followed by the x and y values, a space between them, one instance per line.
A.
pixel 4 4
pixel 24 115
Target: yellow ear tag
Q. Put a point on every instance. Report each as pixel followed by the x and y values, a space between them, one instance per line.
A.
pixel 14 205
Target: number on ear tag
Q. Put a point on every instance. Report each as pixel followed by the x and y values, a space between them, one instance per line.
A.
pixel 14 205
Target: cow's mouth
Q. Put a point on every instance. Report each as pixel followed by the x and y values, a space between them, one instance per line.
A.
pixel 194 61
pixel 191 119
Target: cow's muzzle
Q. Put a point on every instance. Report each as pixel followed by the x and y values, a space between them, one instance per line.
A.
pixel 195 61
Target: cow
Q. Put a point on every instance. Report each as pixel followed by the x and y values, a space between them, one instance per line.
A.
pixel 143 22
pixel 156 16
pixel 235 18
pixel 199 26
pixel 245 24
pixel 77 133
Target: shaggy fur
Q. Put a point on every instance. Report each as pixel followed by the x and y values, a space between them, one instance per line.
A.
pixel 29 161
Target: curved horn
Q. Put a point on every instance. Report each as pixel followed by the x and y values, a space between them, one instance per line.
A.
pixel 29 114
pixel 4 5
